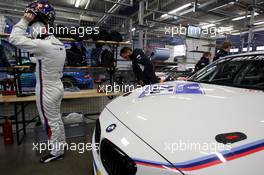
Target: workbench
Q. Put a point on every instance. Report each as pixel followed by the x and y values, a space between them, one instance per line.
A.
pixel 20 104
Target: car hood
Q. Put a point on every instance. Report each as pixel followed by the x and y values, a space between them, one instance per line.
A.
pixel 182 114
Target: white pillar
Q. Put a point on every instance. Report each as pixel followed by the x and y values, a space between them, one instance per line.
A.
pixel 141 22
pixel 251 27
pixel 2 23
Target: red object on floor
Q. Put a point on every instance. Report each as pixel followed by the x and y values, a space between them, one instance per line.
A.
pixel 6 93
pixel 8 133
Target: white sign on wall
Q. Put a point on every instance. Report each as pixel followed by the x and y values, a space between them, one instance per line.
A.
pixel 178 50
pixel 2 24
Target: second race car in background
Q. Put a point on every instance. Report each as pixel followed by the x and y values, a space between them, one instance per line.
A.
pixel 72 77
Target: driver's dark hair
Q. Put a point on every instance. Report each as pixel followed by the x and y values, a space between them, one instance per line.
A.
pixel 125 50
pixel 226 45
pixel 207 54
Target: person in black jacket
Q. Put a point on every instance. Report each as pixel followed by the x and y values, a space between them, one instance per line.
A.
pixel 204 61
pixel 3 59
pixel 142 66
pixel 224 51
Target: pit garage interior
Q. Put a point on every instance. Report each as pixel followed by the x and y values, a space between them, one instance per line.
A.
pixel 175 36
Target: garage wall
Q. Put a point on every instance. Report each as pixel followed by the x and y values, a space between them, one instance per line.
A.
pixel 192 44
pixel 241 41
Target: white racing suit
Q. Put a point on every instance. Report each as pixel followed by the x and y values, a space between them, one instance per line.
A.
pixel 50 57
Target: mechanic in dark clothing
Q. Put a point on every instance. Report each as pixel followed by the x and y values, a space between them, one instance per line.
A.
pixel 204 61
pixel 3 59
pixel 142 66
pixel 226 47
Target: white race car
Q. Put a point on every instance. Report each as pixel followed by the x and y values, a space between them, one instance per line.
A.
pixel 212 124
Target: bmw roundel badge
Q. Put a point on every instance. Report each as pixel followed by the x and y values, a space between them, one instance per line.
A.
pixel 111 128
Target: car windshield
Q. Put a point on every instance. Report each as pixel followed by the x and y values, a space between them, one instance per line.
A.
pixel 244 72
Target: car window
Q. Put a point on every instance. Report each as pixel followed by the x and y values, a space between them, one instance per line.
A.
pixel 206 75
pixel 226 73
pixel 253 76
pixel 244 71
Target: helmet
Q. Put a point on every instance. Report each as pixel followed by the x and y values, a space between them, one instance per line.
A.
pixel 43 11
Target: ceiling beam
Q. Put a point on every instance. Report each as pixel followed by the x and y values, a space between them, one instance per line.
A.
pixel 121 3
pixel 18 4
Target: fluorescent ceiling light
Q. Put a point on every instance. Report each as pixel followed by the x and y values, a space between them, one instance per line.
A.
pixel 177 10
pixel 259 23
pixel 246 49
pixel 259 48
pixel 207 26
pixel 133 29
pixel 235 32
pixel 77 3
pixel 234 50
pixel 243 17
pixel 180 8
pixel 88 2
pixel 226 29
pixel 164 16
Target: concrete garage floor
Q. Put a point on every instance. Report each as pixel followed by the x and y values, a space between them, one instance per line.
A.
pixel 21 160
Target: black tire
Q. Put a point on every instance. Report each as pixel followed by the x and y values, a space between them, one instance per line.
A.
pixel 68 82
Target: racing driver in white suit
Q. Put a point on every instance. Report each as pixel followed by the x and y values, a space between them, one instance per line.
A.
pixel 49 56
